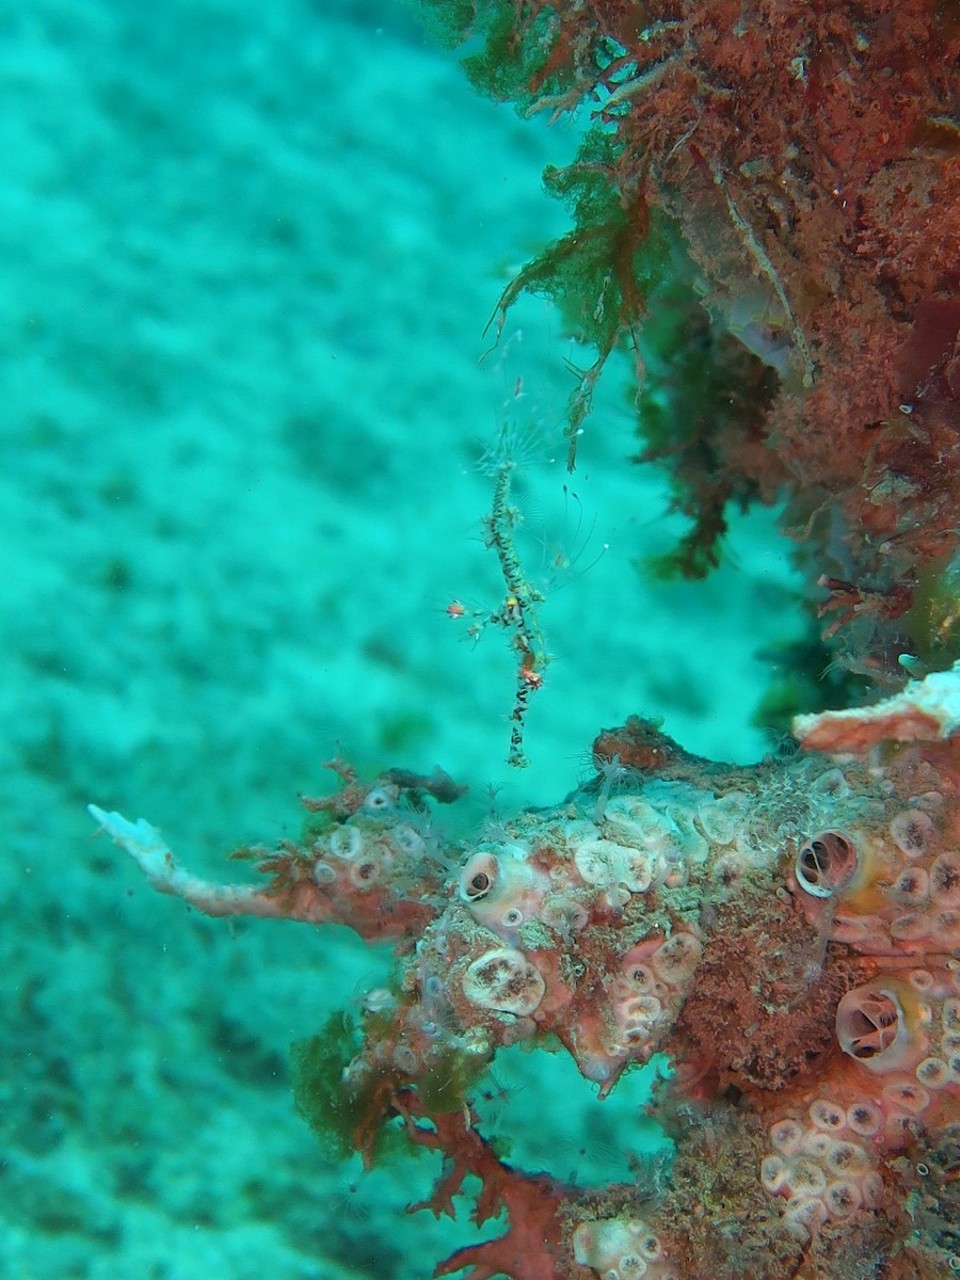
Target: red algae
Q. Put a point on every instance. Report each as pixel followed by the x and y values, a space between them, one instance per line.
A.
pixel 808 156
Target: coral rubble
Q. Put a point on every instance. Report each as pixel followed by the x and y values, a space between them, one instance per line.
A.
pixel 787 933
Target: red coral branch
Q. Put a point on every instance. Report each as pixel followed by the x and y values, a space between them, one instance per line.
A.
pixel 530 1247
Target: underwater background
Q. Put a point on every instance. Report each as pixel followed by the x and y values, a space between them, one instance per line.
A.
pixel 248 255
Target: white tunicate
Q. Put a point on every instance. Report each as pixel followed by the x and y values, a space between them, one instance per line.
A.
pixel 639 869
pixel 613 1247
pixel 832 784
pixel 722 820
pixel 827 1115
pixel 864 1118
pixel 805 1216
pixel 623 811
pixel 602 862
pixel 912 886
pixel 786 1136
pixel 727 871
pixel 365 873
pixel 564 914
pixel 945 880
pixel 842 1198
pixel 817 1144
pixel 635 820
pixel 908 1097
pixel 677 875
pixel 407 838
pixel 805 1177
pixel 676 959
pixel 933 1072
pixel 380 799
pixel 638 1014
pixel 630 1266
pixel 379 1000
pixel 504 980
pixel 346 842
pixel 650 1247
pixel 848 1158
pixel 913 832
pixel 852 929
pixel 946 928
pixel 930 801
pixel 773 1174
pixel 690 844
pixel 642 980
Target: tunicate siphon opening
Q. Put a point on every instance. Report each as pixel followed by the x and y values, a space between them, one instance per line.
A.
pixel 478 877
pixel 868 1023
pixel 826 863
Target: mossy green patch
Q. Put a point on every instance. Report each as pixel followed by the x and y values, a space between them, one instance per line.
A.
pixel 317 824
pixel 513 56
pixel 444 1087
pixel 933 622
pixel 704 399
pixel 601 273
pixel 344 1117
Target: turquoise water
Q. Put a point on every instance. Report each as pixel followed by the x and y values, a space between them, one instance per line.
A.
pixel 248 256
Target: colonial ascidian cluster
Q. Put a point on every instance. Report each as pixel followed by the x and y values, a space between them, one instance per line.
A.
pixel 788 934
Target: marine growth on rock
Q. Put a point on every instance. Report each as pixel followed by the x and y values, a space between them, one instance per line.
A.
pixel 788 934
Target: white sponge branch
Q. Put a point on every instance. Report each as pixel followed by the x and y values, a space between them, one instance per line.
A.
pixel 152 854
pixel 927 710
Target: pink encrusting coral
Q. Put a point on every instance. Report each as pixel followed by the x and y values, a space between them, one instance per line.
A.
pixel 787 933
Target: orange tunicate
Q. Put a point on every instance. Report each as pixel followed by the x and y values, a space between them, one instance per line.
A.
pixel 878 1025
